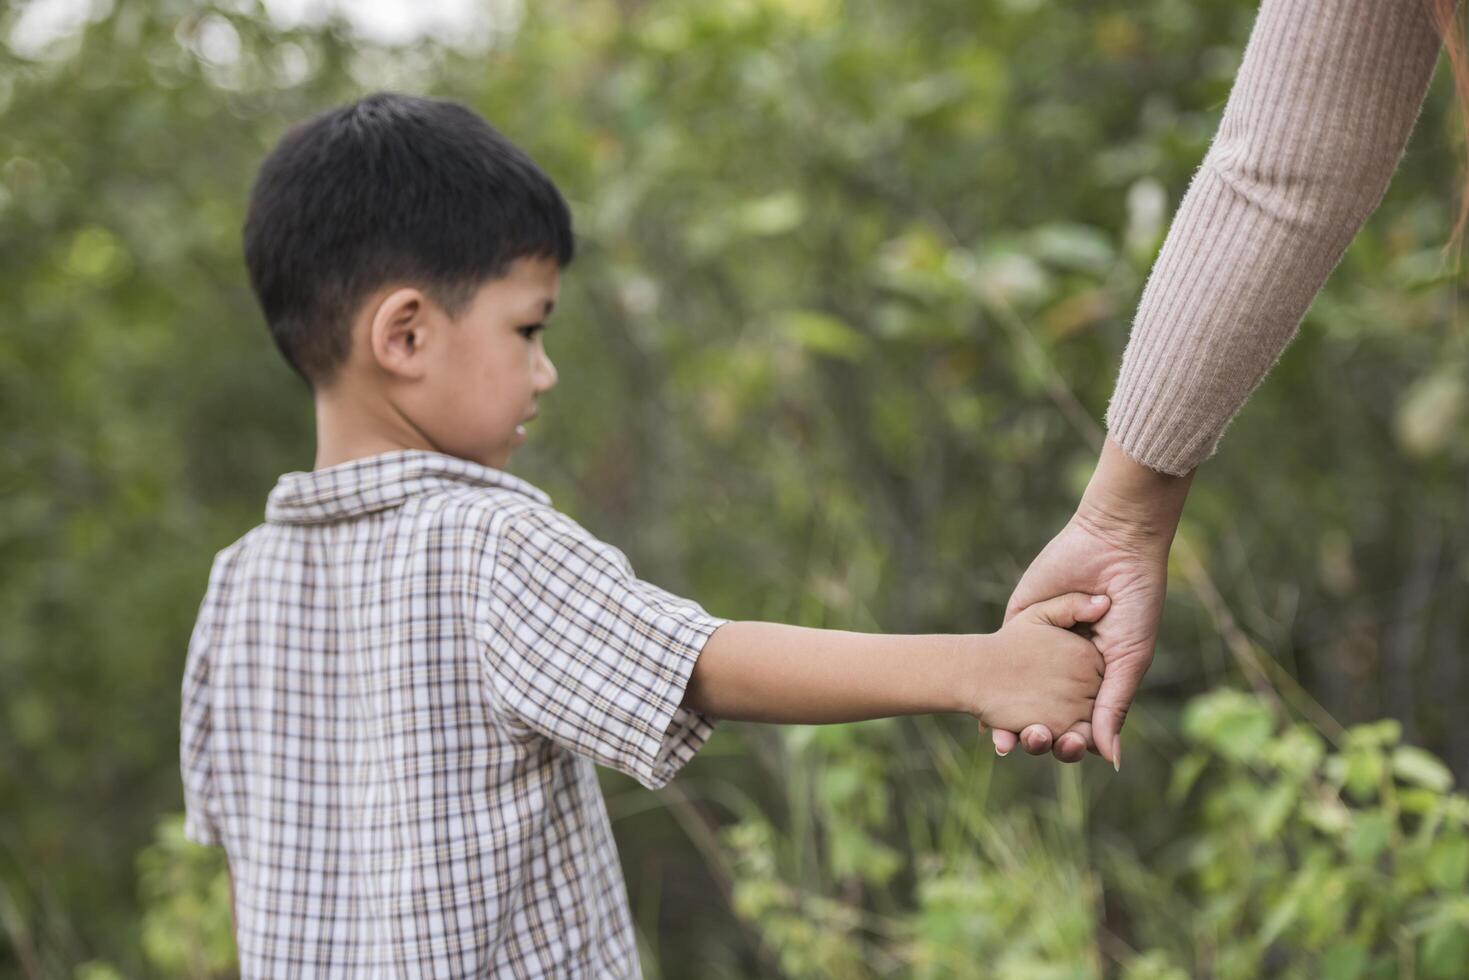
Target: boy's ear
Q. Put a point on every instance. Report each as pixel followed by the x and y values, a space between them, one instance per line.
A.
pixel 400 330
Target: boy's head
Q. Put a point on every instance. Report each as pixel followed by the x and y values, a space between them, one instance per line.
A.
pixel 405 255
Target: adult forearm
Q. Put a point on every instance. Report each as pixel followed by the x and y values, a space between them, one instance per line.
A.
pixel 768 672
pixel 1314 127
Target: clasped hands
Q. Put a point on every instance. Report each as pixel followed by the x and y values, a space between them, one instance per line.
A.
pixel 1115 545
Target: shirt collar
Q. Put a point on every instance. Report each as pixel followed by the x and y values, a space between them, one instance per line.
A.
pixel 373 483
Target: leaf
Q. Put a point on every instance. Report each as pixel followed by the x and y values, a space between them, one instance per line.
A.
pixel 1364 771
pixel 1281 916
pixel 1384 731
pixel 1186 772
pixel 1369 835
pixel 1328 817
pixel 1274 810
pixel 1297 752
pixel 1077 312
pixel 1231 722
pixel 774 214
pixel 1418 801
pixel 823 334
pixel 1423 268
pixel 1448 863
pixel 1153 965
pixel 1012 277
pixel 1446 950
pixel 929 93
pixel 1072 246
pixel 1414 765
pixel 1431 412
pixel 919 264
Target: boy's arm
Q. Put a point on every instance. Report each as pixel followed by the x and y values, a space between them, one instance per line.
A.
pixel 796 675
pixel 767 672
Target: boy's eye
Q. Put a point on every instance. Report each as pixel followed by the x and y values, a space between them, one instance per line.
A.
pixel 531 331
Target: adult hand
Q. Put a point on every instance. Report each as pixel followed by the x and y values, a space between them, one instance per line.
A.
pixel 1116 544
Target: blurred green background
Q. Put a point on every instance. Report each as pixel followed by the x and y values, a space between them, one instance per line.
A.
pixel 855 278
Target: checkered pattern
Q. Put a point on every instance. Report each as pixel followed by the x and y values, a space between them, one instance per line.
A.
pixel 395 695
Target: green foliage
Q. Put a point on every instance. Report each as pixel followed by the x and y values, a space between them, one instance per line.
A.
pixel 1348 863
pixel 187 930
pixel 854 280
pixel 1293 861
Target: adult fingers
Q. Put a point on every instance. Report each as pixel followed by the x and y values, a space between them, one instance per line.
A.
pixel 1036 584
pixel 1065 564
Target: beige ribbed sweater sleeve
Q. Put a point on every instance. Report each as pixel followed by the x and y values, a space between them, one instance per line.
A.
pixel 1315 125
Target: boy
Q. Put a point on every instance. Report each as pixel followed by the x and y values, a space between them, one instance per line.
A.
pixel 398 685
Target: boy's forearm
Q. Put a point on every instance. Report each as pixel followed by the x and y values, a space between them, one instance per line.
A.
pixel 768 672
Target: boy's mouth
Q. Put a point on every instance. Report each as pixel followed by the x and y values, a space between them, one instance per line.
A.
pixel 520 433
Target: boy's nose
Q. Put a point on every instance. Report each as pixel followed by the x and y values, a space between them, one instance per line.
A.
pixel 546 375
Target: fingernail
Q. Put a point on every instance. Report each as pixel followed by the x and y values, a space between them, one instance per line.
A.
pixel 999 753
pixel 1117 754
pixel 1097 600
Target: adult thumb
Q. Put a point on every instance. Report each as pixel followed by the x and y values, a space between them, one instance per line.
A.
pixel 1114 698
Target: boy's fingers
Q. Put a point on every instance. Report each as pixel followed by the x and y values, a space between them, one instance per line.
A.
pixel 1071 745
pixel 1090 608
pixel 1067 610
pixel 1013 608
pixel 1036 739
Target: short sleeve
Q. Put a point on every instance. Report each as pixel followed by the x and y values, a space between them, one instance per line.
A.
pixel 200 805
pixel 578 649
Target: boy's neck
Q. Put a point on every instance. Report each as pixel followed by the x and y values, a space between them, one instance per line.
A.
pixel 350 426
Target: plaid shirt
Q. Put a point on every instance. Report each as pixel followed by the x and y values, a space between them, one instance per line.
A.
pixel 394 696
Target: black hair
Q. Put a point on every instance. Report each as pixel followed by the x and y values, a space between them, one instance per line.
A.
pixel 391 187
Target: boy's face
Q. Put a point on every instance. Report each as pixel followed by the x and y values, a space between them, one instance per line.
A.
pixel 482 373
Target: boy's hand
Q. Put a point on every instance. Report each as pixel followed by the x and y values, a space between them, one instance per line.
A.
pixel 1036 671
pixel 1116 543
